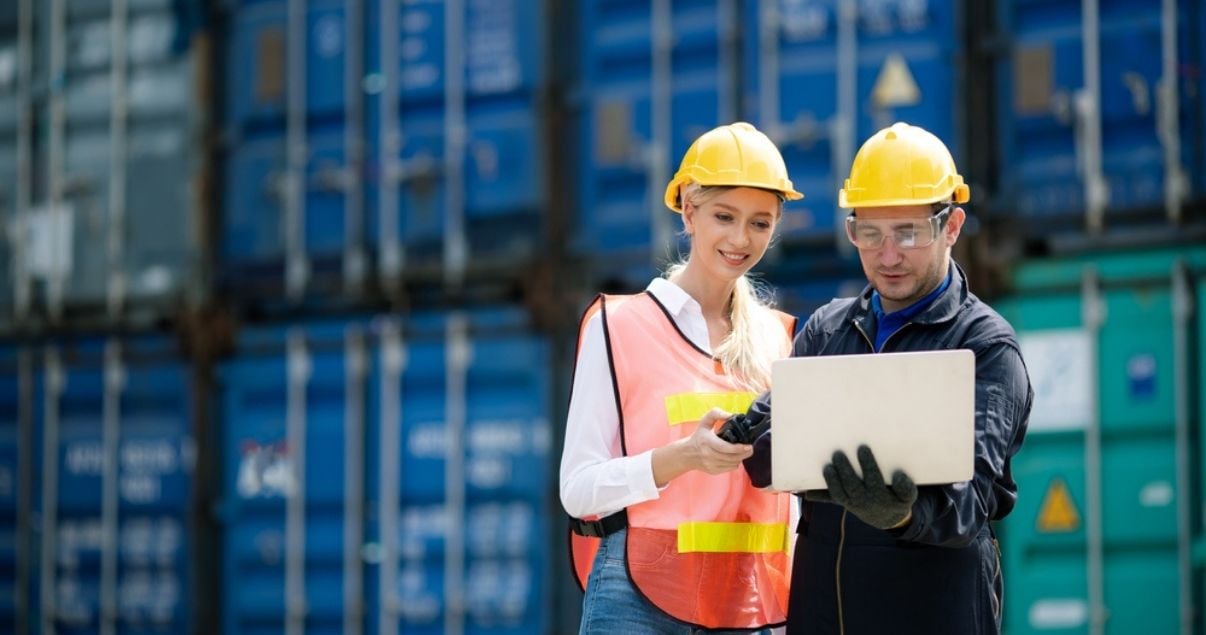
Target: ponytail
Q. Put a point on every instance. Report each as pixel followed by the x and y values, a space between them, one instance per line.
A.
pixel 753 341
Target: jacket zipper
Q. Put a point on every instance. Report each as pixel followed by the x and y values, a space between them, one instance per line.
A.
pixel 842 529
pixel 871 345
pixel 837 577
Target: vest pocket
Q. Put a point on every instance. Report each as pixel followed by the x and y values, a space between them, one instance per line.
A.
pixel 649 547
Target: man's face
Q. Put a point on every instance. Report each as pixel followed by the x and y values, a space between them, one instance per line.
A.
pixel 904 275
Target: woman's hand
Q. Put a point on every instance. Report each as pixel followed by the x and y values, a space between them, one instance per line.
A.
pixel 703 451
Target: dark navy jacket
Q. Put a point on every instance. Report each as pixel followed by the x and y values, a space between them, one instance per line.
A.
pixel 941 573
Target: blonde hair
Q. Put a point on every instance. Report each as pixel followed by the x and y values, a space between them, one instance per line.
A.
pixel 755 338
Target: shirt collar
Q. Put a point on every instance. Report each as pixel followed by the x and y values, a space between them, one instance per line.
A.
pixel 672 296
pixel 915 308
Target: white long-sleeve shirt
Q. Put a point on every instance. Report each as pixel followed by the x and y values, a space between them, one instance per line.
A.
pixel 595 476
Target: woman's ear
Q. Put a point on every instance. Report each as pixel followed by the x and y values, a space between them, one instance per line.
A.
pixel 688 218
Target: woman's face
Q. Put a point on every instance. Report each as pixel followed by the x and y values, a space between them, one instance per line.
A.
pixel 731 231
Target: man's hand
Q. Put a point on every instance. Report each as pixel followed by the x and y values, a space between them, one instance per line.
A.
pixel 878 504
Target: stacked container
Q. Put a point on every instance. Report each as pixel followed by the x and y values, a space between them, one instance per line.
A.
pixel 386 474
pixel 1105 537
pixel 381 141
pixel 1099 112
pixel 99 128
pixel 97 461
pixel 384 471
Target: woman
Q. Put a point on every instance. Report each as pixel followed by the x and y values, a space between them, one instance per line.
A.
pixel 668 535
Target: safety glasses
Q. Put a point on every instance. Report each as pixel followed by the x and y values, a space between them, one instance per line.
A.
pixel 907 233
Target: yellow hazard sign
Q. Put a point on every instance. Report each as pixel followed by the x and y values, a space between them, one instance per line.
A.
pixel 895 85
pixel 1058 512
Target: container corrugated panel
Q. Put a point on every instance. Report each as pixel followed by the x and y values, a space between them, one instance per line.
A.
pixel 384 186
pixel 821 86
pixel 1105 338
pixel 651 78
pixel 455 143
pixel 1046 110
pixel 386 518
pixel 283 502
pixel 496 502
pixel 151 154
pixel 258 176
pixel 135 389
pixel 15 468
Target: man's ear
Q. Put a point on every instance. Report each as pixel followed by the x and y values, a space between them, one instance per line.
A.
pixel 954 225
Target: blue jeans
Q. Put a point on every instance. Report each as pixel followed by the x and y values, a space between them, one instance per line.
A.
pixel 612 605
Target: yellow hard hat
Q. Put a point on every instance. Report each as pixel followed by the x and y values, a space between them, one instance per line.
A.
pixel 738 155
pixel 902 165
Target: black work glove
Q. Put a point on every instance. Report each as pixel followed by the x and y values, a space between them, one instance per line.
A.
pixel 874 502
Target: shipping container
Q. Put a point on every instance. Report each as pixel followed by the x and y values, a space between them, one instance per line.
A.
pixel 97 463
pixel 1098 110
pixel 456 143
pixel 1109 499
pixel 291 410
pixel 818 77
pixel 388 473
pixel 822 76
pixel 354 153
pixel 650 78
pixel 100 117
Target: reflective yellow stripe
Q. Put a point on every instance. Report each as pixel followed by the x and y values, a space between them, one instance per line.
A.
pixel 692 406
pixel 732 537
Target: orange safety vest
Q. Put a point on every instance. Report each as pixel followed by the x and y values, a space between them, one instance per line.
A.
pixel 711 550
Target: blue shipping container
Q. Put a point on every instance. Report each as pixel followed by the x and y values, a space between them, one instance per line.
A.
pixel 338 440
pixel 462 427
pixel 653 77
pixel 1074 142
pixel 385 157
pixel 821 80
pixel 109 475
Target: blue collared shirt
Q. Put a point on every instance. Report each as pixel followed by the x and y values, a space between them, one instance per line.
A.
pixel 889 323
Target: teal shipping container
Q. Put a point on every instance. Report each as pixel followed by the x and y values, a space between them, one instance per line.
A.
pixel 1106 536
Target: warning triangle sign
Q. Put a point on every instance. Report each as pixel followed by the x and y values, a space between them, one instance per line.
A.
pixel 895 85
pixel 1058 512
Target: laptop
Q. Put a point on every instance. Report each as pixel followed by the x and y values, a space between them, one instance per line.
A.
pixel 915 410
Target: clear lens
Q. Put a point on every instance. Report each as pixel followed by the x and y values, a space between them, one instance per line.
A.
pixel 906 233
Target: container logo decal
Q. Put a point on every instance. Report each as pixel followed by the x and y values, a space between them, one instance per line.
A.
pixel 1141 376
pixel 265 470
pixel 1062 372
pixel 1058 512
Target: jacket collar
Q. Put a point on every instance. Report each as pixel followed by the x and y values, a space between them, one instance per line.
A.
pixel 942 309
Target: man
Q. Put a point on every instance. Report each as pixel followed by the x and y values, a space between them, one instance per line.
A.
pixel 874 556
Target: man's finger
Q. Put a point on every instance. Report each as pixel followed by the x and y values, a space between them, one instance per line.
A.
pixel 903 487
pixel 844 471
pixel 871 473
pixel 833 480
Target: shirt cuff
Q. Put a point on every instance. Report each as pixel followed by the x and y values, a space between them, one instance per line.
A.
pixel 640 476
